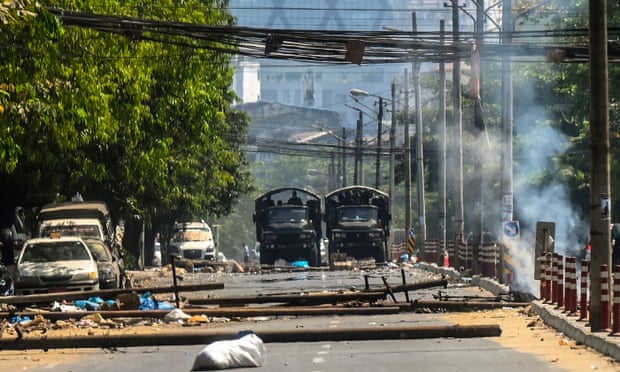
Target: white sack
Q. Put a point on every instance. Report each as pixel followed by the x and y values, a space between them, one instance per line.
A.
pixel 246 351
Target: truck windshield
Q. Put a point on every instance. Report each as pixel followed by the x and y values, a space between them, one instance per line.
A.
pixel 348 214
pixel 84 231
pixel 287 214
pixel 194 235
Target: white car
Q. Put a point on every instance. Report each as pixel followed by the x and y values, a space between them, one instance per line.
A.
pixel 61 264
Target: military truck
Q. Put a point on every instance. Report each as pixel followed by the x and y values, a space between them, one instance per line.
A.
pixel 357 221
pixel 288 225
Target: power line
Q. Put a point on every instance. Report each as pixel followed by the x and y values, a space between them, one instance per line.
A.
pixel 331 46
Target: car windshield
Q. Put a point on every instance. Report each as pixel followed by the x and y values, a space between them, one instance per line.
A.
pixel 288 214
pixel 55 251
pixel 99 251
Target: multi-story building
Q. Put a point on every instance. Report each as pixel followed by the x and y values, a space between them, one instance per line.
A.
pixel 327 86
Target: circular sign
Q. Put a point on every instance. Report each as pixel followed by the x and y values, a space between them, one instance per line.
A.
pixel 511 229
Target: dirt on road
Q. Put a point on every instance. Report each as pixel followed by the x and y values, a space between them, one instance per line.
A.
pixel 523 330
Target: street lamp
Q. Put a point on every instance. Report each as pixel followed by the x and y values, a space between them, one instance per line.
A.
pixel 362 93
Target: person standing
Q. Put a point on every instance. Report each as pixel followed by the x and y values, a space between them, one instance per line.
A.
pixel 8 252
pixel 246 253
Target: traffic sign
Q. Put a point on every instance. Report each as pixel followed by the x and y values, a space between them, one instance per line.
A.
pixel 511 229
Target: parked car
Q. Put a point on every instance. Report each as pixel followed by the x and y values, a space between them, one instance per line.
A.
pixel 109 266
pixel 55 265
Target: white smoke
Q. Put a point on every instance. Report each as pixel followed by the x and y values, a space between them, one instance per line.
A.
pixel 536 201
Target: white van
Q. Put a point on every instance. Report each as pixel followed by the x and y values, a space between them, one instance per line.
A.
pixel 192 241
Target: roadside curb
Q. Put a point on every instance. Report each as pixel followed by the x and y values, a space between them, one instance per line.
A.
pixel 568 325
pixel 578 330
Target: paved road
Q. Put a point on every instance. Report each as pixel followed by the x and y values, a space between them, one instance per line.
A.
pixel 444 354
pixel 437 354
pixel 464 355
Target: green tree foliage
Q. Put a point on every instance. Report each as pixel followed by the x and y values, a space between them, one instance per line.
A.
pixel 146 126
pixel 563 87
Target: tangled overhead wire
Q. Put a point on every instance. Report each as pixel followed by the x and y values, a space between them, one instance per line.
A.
pixel 345 47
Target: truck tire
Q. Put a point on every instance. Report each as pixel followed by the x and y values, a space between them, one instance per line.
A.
pixel 266 258
pixel 381 255
pixel 313 257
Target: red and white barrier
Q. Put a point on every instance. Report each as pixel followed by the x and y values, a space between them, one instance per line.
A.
pixel 549 277
pixel 583 303
pixel 570 303
pixel 604 296
pixel 616 306
pixel 560 278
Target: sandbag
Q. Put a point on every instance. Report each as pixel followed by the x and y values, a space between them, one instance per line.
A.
pixel 246 351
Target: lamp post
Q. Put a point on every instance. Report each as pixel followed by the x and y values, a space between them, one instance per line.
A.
pixel 363 93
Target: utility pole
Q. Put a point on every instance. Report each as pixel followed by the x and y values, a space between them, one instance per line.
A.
pixel 458 123
pixel 407 154
pixel 344 157
pixel 476 96
pixel 507 116
pixel 507 122
pixel 600 195
pixel 419 148
pixel 359 168
pixel 379 137
pixel 392 155
pixel 442 144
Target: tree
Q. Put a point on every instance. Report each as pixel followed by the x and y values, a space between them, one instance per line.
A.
pixel 146 126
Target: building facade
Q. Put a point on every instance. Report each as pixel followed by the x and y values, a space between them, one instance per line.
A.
pixel 325 86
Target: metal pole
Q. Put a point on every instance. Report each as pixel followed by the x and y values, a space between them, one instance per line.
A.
pixel 379 137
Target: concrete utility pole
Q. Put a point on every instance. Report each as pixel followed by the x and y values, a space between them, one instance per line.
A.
pixel 379 138
pixel 600 196
pixel 407 154
pixel 476 95
pixel 359 138
pixel 442 144
pixel 507 116
pixel 419 149
pixel 392 155
pixel 459 218
pixel 344 157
